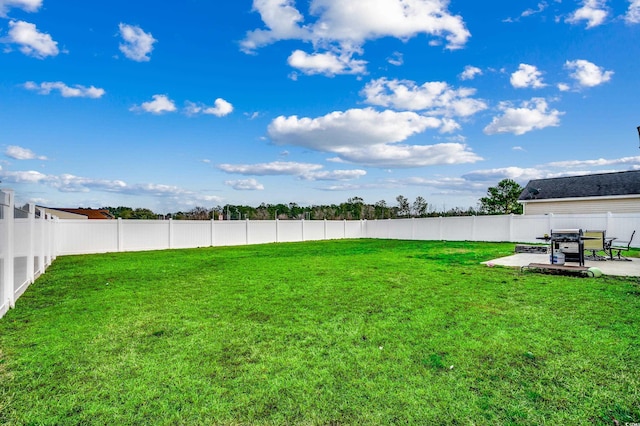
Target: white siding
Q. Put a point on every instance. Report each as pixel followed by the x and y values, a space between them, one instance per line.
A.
pixel 583 206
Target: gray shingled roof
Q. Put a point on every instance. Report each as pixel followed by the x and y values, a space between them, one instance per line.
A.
pixel 597 185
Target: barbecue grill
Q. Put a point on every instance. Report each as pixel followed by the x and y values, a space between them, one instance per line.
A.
pixel 569 242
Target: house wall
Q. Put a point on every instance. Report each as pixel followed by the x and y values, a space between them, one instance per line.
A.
pixel 583 206
pixel 64 215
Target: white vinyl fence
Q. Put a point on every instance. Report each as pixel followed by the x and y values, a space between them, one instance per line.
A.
pixel 30 240
pixel 27 248
pixel 101 236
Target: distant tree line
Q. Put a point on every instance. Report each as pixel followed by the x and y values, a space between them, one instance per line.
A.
pixel 353 209
pixel 501 199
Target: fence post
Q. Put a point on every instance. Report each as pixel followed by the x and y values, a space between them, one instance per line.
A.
pixel 246 231
pixel 7 270
pixel 53 234
pixel 413 228
pixel 170 233
pixel 40 249
pixel 325 228
pixel 550 221
pixel 119 235
pixel 48 247
pixel 344 228
pixel 213 235
pixel 609 222
pixel 302 222
pixel 277 231
pixel 31 250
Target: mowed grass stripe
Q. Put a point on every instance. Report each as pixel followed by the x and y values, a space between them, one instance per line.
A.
pixel 332 332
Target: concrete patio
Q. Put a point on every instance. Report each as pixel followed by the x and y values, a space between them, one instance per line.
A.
pixel 625 268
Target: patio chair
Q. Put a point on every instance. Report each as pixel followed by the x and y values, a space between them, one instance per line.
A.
pixel 594 245
pixel 621 246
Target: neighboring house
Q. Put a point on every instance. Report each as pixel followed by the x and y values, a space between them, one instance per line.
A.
pixel 598 193
pixel 79 213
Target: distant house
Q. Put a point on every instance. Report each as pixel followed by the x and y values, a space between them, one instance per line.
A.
pixel 598 193
pixel 79 213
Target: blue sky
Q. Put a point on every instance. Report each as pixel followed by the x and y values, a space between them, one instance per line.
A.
pixel 202 103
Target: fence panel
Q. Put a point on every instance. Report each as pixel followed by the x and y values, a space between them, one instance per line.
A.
pixel 87 236
pixel 289 231
pixel 491 228
pixel 191 233
pixel 313 230
pixel 138 235
pixel 353 229
pixel 428 228
pixel 335 229
pixel 230 233
pixel 21 249
pixel 579 221
pixel 6 251
pixel 622 226
pixel 262 232
pixel 401 229
pixel 22 244
pixel 377 228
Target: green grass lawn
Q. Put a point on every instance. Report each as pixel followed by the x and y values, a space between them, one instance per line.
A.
pixel 318 333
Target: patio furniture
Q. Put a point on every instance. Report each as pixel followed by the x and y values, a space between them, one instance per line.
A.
pixel 620 247
pixel 594 242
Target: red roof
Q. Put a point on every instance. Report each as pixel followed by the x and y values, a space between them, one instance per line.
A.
pixel 90 213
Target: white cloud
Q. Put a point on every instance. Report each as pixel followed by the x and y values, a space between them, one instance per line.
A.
pixel 335 175
pixel 384 155
pixel 29 176
pixel 326 63
pixel 245 185
pixel 137 44
pixel 396 59
pixel 470 72
pixel 19 153
pixel 273 168
pixel 527 76
pixel 624 161
pixel 340 131
pixel 159 105
pixel 77 91
pixel 368 137
pixel 282 20
pixel 70 183
pixel 529 12
pixel 31 41
pixel 435 97
pixel 563 87
pixel 220 108
pixel 343 26
pixel 541 7
pixel 28 5
pixel 592 11
pixel 444 185
pixel 587 74
pixel 306 171
pixel 518 174
pixel 633 13
pixel 532 115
